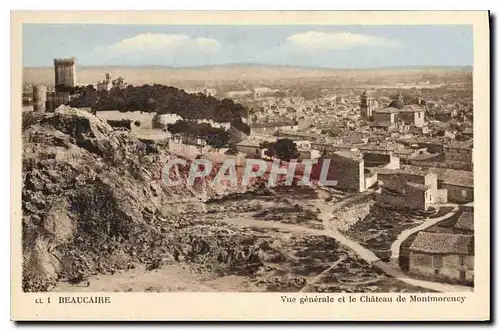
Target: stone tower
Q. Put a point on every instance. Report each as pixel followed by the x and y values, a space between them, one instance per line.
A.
pixel 400 97
pixel 65 72
pixel 418 99
pixel 366 105
pixel 39 97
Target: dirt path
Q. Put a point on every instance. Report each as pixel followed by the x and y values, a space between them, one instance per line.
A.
pixel 318 277
pixel 170 278
pixel 325 215
pixel 408 232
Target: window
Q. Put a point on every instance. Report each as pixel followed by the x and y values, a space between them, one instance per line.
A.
pixel 464 193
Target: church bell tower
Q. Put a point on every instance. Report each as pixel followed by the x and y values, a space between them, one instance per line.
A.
pixel 366 106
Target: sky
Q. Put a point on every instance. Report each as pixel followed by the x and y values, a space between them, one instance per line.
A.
pixel 332 46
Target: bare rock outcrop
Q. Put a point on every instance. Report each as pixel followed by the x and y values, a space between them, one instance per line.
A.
pixel 91 200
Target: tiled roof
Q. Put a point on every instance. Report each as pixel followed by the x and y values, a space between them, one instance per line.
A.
pixel 443 243
pixel 412 171
pixel 465 221
pixel 448 176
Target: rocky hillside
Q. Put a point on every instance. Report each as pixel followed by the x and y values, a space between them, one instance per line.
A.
pixel 92 206
pixel 91 203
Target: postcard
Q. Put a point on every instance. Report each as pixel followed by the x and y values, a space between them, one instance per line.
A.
pixel 250 166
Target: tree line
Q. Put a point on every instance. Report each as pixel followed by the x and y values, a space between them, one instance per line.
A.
pixel 191 131
pixel 164 99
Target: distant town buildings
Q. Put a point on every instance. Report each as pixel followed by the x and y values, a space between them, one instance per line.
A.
pixel 398 111
pixel 106 84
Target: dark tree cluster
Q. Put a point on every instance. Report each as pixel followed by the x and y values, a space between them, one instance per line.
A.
pixel 284 149
pixel 167 100
pixel 78 90
pixel 215 137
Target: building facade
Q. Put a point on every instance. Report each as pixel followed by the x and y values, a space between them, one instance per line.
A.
pixel 347 168
pixel 65 72
pixel 39 98
pixel 443 256
pixel 55 99
pixel 398 111
pixel 366 107
pixel 397 180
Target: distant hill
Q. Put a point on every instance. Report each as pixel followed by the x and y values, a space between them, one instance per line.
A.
pixel 139 75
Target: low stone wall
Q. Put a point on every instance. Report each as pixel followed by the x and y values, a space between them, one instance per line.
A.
pixel 347 216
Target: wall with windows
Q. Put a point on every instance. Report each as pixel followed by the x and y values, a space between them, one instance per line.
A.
pixel 458 194
pixel 458 268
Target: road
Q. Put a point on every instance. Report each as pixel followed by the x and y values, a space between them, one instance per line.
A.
pixel 329 230
pixel 408 232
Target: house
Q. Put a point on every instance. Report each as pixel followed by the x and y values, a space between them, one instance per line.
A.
pixel 459 184
pixel 396 180
pixel 409 188
pixel 397 111
pixel 460 190
pixel 382 160
pixel 412 196
pixel 250 147
pixel 444 256
pixel 418 196
pixel 461 222
pixel 455 151
pixel 406 153
pixel 413 115
pixel 346 167
pixel 385 116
